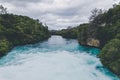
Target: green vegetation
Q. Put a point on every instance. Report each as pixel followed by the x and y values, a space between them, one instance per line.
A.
pixel 103 31
pixel 4 46
pixel 19 30
pixel 3 10
pixel 108 33
pixel 82 34
pixel 110 56
pixel 66 33
pixel 22 29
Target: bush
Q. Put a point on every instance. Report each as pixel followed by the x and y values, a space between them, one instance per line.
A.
pixel 4 46
pixel 110 56
pixel 20 30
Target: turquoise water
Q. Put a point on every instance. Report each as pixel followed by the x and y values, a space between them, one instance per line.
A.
pixel 54 59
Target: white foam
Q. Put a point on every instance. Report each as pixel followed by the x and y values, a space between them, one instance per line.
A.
pixel 56 65
pixel 55 59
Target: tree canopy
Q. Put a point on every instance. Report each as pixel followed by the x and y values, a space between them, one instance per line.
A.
pixel 3 10
pixel 19 30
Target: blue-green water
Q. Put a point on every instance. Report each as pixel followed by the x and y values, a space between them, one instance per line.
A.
pixel 55 59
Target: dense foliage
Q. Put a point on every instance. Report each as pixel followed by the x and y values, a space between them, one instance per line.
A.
pixel 103 31
pixel 19 30
pixel 109 36
pixel 66 33
pixel 110 56
pixel 3 10
pixel 4 46
pixel 82 34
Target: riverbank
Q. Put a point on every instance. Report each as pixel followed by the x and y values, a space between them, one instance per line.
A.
pixel 103 32
pixel 54 59
pixel 18 30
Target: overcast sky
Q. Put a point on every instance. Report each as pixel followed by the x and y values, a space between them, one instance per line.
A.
pixel 57 14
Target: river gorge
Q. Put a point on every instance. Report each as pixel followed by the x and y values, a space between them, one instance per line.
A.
pixel 54 59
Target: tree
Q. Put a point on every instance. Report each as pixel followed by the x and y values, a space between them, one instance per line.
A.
pixel 110 56
pixel 95 12
pixel 3 10
pixel 95 21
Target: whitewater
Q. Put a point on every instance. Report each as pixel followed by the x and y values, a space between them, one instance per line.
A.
pixel 54 59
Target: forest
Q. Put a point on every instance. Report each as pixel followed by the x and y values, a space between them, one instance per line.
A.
pixel 102 31
pixel 18 30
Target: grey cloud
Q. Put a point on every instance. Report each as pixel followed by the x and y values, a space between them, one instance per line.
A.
pixel 10 1
pixel 57 14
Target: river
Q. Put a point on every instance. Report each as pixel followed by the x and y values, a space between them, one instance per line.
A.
pixel 54 59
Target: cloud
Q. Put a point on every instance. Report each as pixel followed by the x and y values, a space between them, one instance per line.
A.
pixel 57 14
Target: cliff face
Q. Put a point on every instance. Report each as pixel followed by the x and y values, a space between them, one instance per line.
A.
pixel 86 38
pixel 106 37
pixel 20 30
pixel 102 32
pixel 93 42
